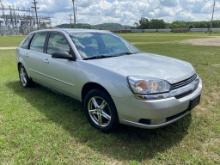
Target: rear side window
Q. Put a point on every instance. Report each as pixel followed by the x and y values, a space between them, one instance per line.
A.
pixel 37 43
pixel 25 44
pixel 58 43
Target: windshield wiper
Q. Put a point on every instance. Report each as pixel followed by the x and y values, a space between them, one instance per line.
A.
pixel 125 53
pixel 97 57
pixel 108 56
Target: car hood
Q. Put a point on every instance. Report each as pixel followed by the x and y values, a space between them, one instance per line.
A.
pixel 147 65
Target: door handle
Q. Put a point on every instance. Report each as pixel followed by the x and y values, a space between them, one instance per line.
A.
pixel 26 54
pixel 46 61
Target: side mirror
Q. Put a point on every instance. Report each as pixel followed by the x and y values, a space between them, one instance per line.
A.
pixel 62 55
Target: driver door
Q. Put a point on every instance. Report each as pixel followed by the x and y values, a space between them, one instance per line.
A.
pixel 62 73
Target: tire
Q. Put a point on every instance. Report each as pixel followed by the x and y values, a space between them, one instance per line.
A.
pixel 100 110
pixel 23 76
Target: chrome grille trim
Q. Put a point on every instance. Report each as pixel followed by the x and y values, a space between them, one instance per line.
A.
pixel 184 82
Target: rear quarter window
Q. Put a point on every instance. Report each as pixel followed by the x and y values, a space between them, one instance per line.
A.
pixel 38 41
pixel 26 42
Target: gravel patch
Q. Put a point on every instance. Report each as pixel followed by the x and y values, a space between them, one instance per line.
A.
pixel 7 48
pixel 203 41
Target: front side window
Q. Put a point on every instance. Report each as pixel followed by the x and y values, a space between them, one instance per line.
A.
pixel 37 43
pixel 58 43
pixel 100 45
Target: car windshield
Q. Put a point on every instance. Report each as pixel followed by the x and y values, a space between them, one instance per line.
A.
pixel 92 45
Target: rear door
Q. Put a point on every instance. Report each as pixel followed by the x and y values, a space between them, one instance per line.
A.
pixel 23 51
pixel 35 57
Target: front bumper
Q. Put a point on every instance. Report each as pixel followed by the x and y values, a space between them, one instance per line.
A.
pixel 155 113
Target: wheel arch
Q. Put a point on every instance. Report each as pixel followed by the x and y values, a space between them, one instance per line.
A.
pixel 21 64
pixel 92 85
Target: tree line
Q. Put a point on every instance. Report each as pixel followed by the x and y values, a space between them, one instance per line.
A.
pixel 145 23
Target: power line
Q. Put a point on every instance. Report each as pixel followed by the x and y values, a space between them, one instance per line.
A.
pixel 15 9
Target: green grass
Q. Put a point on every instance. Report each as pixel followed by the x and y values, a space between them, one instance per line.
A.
pixel 163 37
pixel 38 126
pixel 7 41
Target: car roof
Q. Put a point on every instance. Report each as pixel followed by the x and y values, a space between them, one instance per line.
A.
pixel 69 31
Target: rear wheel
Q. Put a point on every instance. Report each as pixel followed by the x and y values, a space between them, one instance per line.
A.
pixel 24 79
pixel 100 110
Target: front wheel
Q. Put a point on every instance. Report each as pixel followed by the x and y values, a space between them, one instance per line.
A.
pixel 100 110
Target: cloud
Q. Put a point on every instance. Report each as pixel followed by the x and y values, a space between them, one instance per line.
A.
pixel 169 3
pixel 122 11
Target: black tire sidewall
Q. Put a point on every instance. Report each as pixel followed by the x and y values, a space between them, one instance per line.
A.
pixel 29 82
pixel 114 118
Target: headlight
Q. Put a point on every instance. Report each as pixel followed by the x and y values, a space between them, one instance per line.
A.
pixel 148 86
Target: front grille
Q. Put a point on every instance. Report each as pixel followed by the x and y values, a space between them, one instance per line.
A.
pixel 183 94
pixel 184 82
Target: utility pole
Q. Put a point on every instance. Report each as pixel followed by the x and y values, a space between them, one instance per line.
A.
pixel 2 8
pixel 211 22
pixel 35 10
pixel 11 16
pixel 74 11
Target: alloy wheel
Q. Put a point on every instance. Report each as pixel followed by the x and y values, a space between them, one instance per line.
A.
pixel 99 111
pixel 23 76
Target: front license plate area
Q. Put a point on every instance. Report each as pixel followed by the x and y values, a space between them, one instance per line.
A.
pixel 194 102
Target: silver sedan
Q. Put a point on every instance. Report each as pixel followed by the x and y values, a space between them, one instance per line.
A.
pixel 115 81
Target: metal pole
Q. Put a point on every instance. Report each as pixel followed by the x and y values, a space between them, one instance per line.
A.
pixel 3 10
pixel 211 22
pixel 74 11
pixel 35 10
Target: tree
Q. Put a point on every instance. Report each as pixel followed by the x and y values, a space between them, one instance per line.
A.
pixel 136 24
pixel 144 23
pixel 178 24
pixel 157 24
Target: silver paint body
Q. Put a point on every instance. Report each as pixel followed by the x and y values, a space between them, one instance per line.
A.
pixel 69 77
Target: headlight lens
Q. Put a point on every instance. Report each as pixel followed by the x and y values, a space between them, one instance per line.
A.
pixel 148 86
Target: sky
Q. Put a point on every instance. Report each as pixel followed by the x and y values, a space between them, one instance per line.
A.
pixel 126 12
